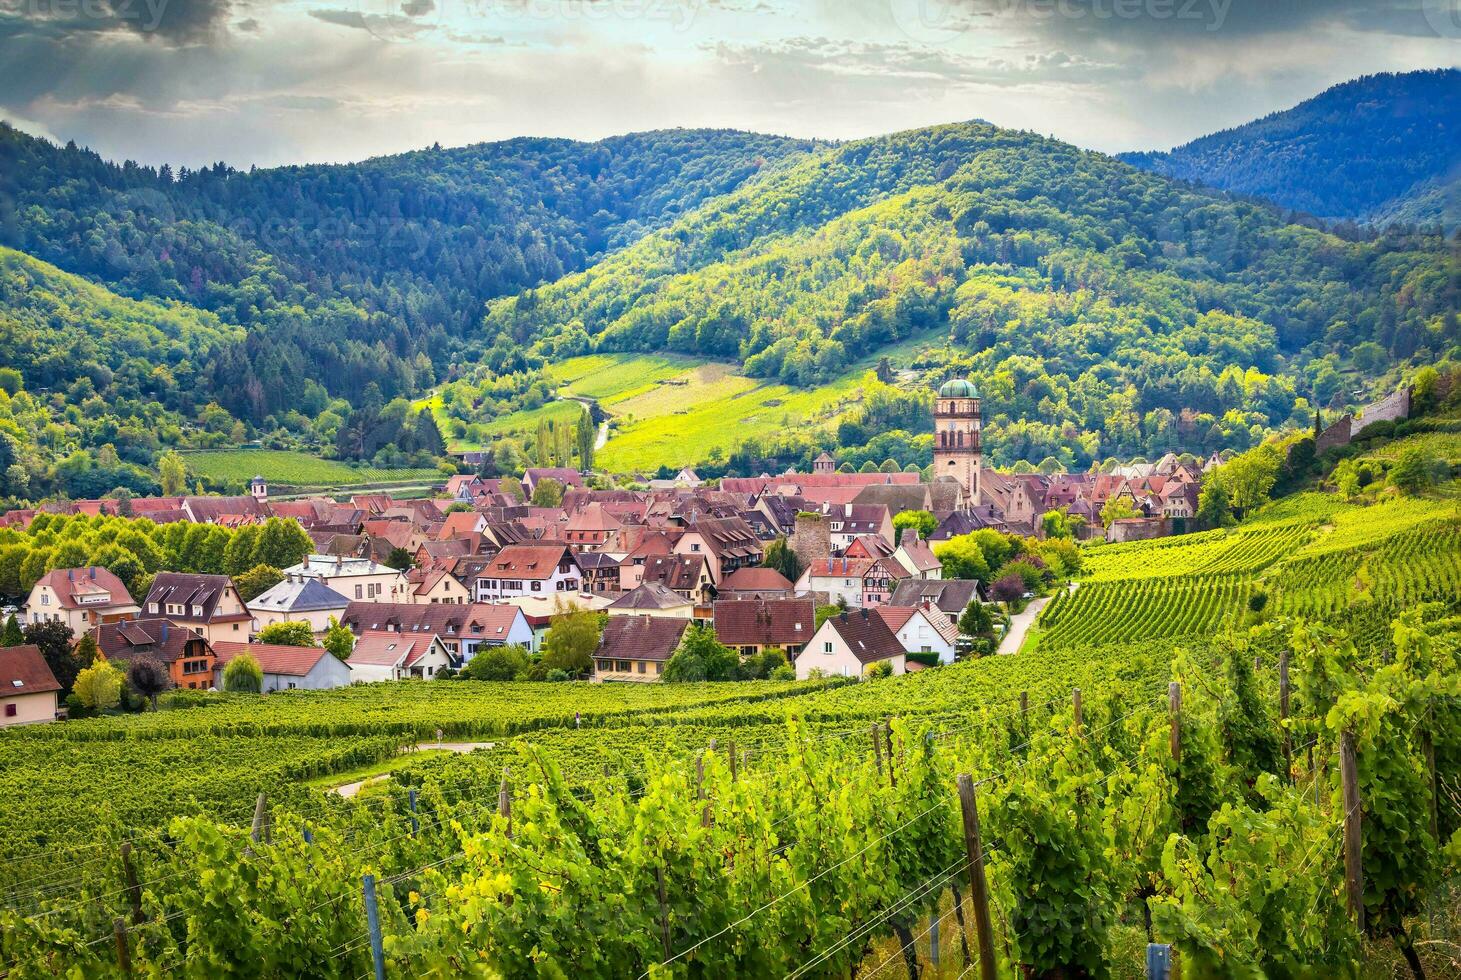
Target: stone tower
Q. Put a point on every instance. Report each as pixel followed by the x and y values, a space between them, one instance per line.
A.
pixel 258 489
pixel 956 446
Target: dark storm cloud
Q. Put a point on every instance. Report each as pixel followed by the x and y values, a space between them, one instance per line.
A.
pixel 173 22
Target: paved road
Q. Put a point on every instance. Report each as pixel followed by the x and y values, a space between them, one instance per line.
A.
pixel 1021 623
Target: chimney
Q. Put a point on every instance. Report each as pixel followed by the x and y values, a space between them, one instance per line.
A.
pixel 70 575
pixel 92 570
pixel 164 631
pixel 846 510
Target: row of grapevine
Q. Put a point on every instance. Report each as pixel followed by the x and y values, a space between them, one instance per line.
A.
pixel 831 847
pixel 1101 613
pixel 1419 565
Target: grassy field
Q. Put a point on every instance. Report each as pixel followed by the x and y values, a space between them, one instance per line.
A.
pixel 673 410
pixel 291 469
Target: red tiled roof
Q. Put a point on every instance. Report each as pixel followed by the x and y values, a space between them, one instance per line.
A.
pixel 527 561
pixel 23 670
pixel 765 622
pixel 382 649
pixel 66 582
pixel 866 635
pixel 274 658
pixel 841 567
pixel 755 579
pixel 640 638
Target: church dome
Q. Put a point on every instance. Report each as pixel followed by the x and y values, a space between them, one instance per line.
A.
pixel 958 388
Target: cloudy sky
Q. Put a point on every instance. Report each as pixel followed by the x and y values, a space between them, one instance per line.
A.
pixel 280 81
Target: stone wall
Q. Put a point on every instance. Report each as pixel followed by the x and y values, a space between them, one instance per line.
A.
pixel 811 538
pixel 1337 434
pixel 1391 408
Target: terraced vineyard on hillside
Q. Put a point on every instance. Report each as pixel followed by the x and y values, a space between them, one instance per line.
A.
pixel 1317 555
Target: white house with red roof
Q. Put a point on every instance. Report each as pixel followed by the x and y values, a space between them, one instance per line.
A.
pixel 547 568
pixel 388 656
pixel 82 598
pixel 286 668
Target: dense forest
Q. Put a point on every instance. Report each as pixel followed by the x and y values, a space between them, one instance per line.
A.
pixel 1380 148
pixel 368 272
pixel 1104 310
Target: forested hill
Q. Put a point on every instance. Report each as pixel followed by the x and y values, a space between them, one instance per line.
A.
pixel 359 273
pixel 1093 300
pixel 1380 148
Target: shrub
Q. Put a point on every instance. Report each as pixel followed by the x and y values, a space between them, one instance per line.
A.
pixel 879 670
pixel 243 675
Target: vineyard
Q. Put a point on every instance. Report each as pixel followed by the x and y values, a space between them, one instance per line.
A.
pixel 1167 765
pixel 292 469
pixel 1123 611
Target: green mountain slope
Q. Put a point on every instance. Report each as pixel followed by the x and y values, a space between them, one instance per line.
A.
pixel 364 273
pixel 92 369
pixel 1380 148
pixel 1104 310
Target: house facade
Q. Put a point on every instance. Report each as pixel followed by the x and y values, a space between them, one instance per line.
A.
pixel 28 689
pixel 848 644
pixel 188 656
pixel 357 579
pixel 208 605
pixel 308 601
pixel 529 569
pixel 82 598
pixel 286 668
pixel 384 656
pixel 637 647
pixel 750 626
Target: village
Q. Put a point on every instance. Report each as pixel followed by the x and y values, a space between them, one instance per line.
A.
pixel 484 567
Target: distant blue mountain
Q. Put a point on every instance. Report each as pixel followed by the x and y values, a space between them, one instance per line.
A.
pixel 1380 149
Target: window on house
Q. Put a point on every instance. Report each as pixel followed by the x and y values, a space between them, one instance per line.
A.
pixel 538 586
pixel 197 611
pixel 694 547
pixel 45 599
pixel 827 647
pixel 359 592
pixel 152 607
pixel 643 667
pixel 10 711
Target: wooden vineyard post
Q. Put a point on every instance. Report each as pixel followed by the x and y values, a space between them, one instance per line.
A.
pixel 1025 709
pixel 1283 713
pixel 888 745
pixel 124 955
pixel 731 752
pixel 1075 703
pixel 256 830
pixel 1174 708
pixel 1428 752
pixel 978 887
pixel 504 803
pixel 134 890
pixel 1354 872
pixel 877 748
pixel 411 799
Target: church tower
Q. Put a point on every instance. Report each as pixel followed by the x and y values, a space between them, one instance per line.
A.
pixel 956 448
